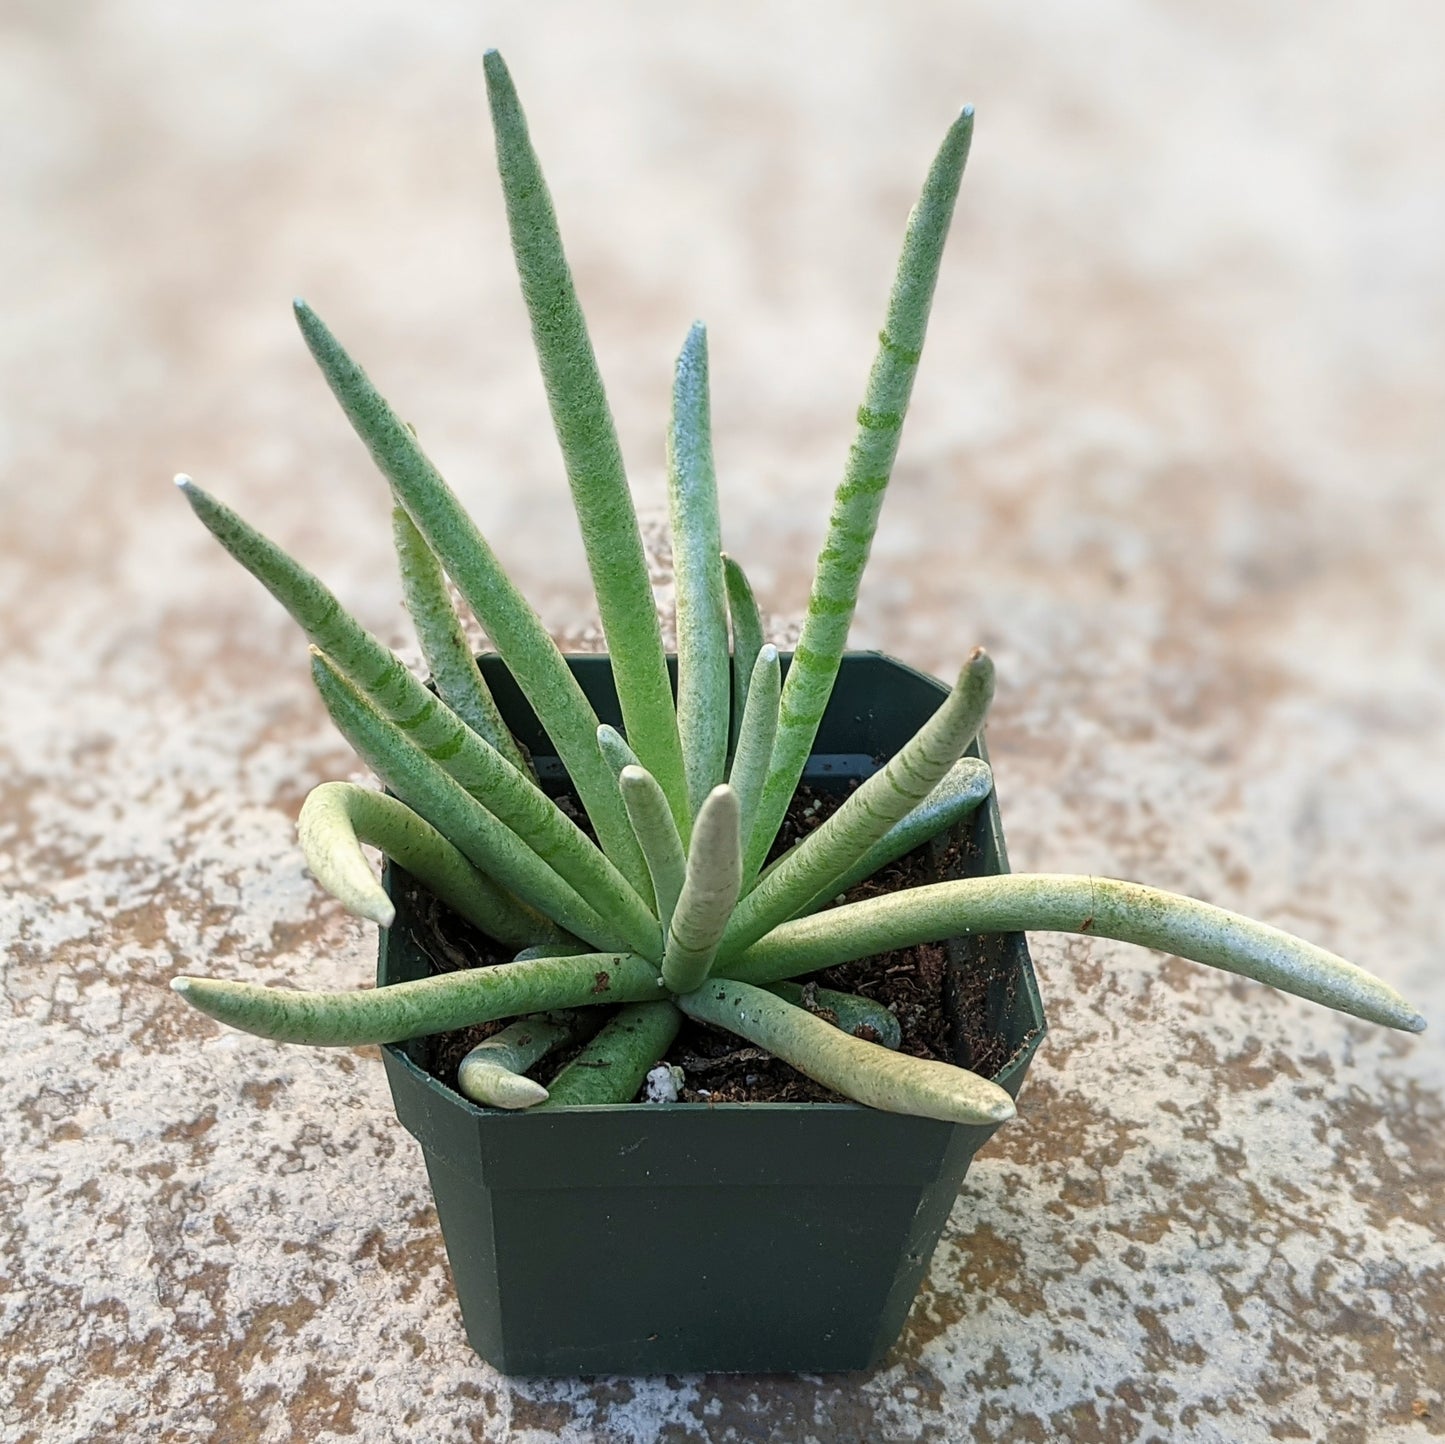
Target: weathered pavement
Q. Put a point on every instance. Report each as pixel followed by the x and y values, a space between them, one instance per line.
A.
pixel 1175 458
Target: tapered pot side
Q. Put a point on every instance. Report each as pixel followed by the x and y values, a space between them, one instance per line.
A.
pixel 666 1238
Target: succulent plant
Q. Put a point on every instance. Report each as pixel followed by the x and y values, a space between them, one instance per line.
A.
pixel 670 911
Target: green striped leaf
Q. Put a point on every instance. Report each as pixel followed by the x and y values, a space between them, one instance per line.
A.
pixel 588 439
pixel 1094 906
pixel 702 620
pixel 864 1072
pixel 432 726
pixel 958 796
pixel 514 628
pixel 335 1019
pixel 709 890
pixel 337 817
pixel 860 495
pixel 443 639
pixel 827 853
pixel 433 793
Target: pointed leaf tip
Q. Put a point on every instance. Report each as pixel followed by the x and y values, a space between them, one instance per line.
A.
pixel 181 986
pixel 495 70
pixel 692 359
pixel 182 480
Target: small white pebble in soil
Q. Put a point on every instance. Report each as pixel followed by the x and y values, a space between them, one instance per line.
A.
pixel 663 1084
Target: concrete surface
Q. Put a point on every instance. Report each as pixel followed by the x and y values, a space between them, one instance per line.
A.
pixel 1175 457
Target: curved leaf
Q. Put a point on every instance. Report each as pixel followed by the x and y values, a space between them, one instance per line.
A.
pixel 1095 906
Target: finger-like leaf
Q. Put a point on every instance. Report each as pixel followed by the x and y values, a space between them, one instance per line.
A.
pixel 709 890
pixel 566 948
pixel 817 863
pixel 440 799
pixel 444 644
pixel 615 750
pixel 514 628
pixel 312 605
pixel 338 817
pixel 492 1074
pixel 747 626
pixel 702 622
pixel 429 1005
pixel 755 737
pixel 588 440
pixel 1095 906
pixel 860 494
pixel 864 1072
pixel 850 1012
pixel 610 1069
pixel 966 785
pixel 656 830
pixel 429 723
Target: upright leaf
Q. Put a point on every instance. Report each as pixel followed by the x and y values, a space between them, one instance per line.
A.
pixel 588 439
pixel 709 890
pixel 702 619
pixel 755 737
pixel 747 626
pixel 657 834
pixel 443 640
pixel 615 749
pixel 960 793
pixel 860 495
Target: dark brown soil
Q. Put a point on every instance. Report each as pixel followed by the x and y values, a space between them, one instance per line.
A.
pixel 912 983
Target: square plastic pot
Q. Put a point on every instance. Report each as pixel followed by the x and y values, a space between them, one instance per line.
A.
pixel 653 1238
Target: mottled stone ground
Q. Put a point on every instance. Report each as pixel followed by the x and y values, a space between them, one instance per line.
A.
pixel 1176 458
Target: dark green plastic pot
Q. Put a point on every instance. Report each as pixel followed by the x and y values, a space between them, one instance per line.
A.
pixel 651 1238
